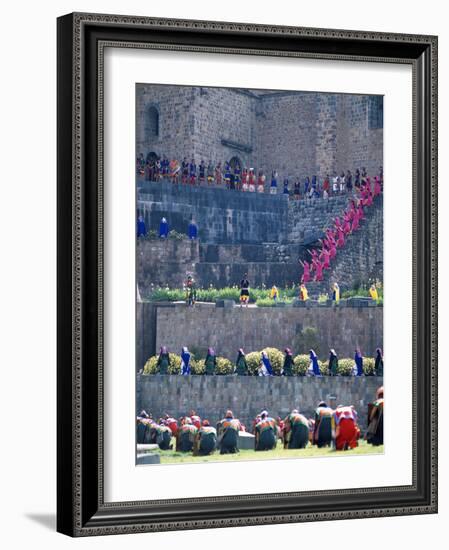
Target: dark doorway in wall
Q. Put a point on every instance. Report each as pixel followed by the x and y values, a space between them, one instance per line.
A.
pixel 234 162
pixel 152 156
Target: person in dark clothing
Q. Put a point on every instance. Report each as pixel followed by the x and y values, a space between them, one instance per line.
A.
pixel 210 364
pixel 333 363
pixel 241 364
pixel 379 363
pixel 288 363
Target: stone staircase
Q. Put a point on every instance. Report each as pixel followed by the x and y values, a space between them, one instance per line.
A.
pixel 364 248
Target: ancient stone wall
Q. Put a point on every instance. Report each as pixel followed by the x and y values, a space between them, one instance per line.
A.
pixel 211 396
pixel 222 216
pixel 227 330
pixel 295 133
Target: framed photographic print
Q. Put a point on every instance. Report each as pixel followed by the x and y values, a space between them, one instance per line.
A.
pixel 247 258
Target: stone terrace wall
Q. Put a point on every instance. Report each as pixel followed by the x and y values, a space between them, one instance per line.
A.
pixel 222 216
pixel 227 330
pixel 308 219
pixel 210 396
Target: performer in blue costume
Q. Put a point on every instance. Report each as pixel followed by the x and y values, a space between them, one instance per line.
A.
pixel 266 368
pixel 163 229
pixel 185 361
pixel 141 227
pixel 193 230
pixel 314 369
pixel 358 362
pixel 192 170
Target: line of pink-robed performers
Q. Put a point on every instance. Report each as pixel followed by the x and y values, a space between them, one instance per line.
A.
pixel 335 236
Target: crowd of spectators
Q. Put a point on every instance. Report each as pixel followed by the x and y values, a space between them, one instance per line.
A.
pixel 247 179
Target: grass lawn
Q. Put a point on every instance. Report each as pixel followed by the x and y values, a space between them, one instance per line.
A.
pixel 172 457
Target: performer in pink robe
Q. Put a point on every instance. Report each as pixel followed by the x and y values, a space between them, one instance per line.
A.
pixel 319 271
pixel 306 273
pixel 377 187
pixel 341 239
pixel 326 259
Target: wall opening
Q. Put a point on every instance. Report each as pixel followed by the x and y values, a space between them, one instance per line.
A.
pixel 151 123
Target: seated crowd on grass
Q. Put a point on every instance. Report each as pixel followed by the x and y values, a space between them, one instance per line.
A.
pixel 336 428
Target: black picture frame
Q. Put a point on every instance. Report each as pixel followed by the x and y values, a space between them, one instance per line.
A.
pixel 81 510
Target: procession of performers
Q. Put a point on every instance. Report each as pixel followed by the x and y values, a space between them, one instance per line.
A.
pixel 336 235
pixel 337 429
pixel 265 368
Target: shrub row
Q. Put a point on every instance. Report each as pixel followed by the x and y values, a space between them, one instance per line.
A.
pixel 227 293
pixel 225 366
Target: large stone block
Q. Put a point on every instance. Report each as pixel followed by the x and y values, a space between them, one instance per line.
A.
pixel 148 458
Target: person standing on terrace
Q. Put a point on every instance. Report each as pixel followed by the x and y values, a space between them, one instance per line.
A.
pixel 244 291
pixel 192 230
pixel 218 174
pixel 274 183
pixel 192 172
pixel 210 173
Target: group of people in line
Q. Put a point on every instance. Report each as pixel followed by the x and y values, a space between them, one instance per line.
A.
pixel 164 228
pixel 337 428
pixel 335 236
pixel 265 367
pixel 233 176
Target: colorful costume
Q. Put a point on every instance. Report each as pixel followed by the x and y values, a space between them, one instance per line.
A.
pixel 206 441
pixel 347 432
pixel 163 437
pixel 336 293
pixel 192 230
pixel 190 291
pixel 141 227
pixel 314 368
pixel 244 291
pixel 266 434
pixel 186 438
pixel 185 362
pixel 296 431
pixel 266 369
pixel 373 293
pixel 303 294
pixel 228 437
pixel 375 432
pixel 210 173
pixel 163 229
pixel 192 172
pixel 324 426
pixel 274 183
pixel 358 360
pixel 202 172
pixel 274 293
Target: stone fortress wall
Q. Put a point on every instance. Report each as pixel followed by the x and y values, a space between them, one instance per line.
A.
pixel 211 396
pixel 296 133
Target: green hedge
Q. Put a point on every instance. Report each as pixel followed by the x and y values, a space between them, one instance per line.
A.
pixel 212 294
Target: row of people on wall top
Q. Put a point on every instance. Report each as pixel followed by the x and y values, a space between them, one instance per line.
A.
pixel 337 428
pixel 234 177
pixel 265 368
